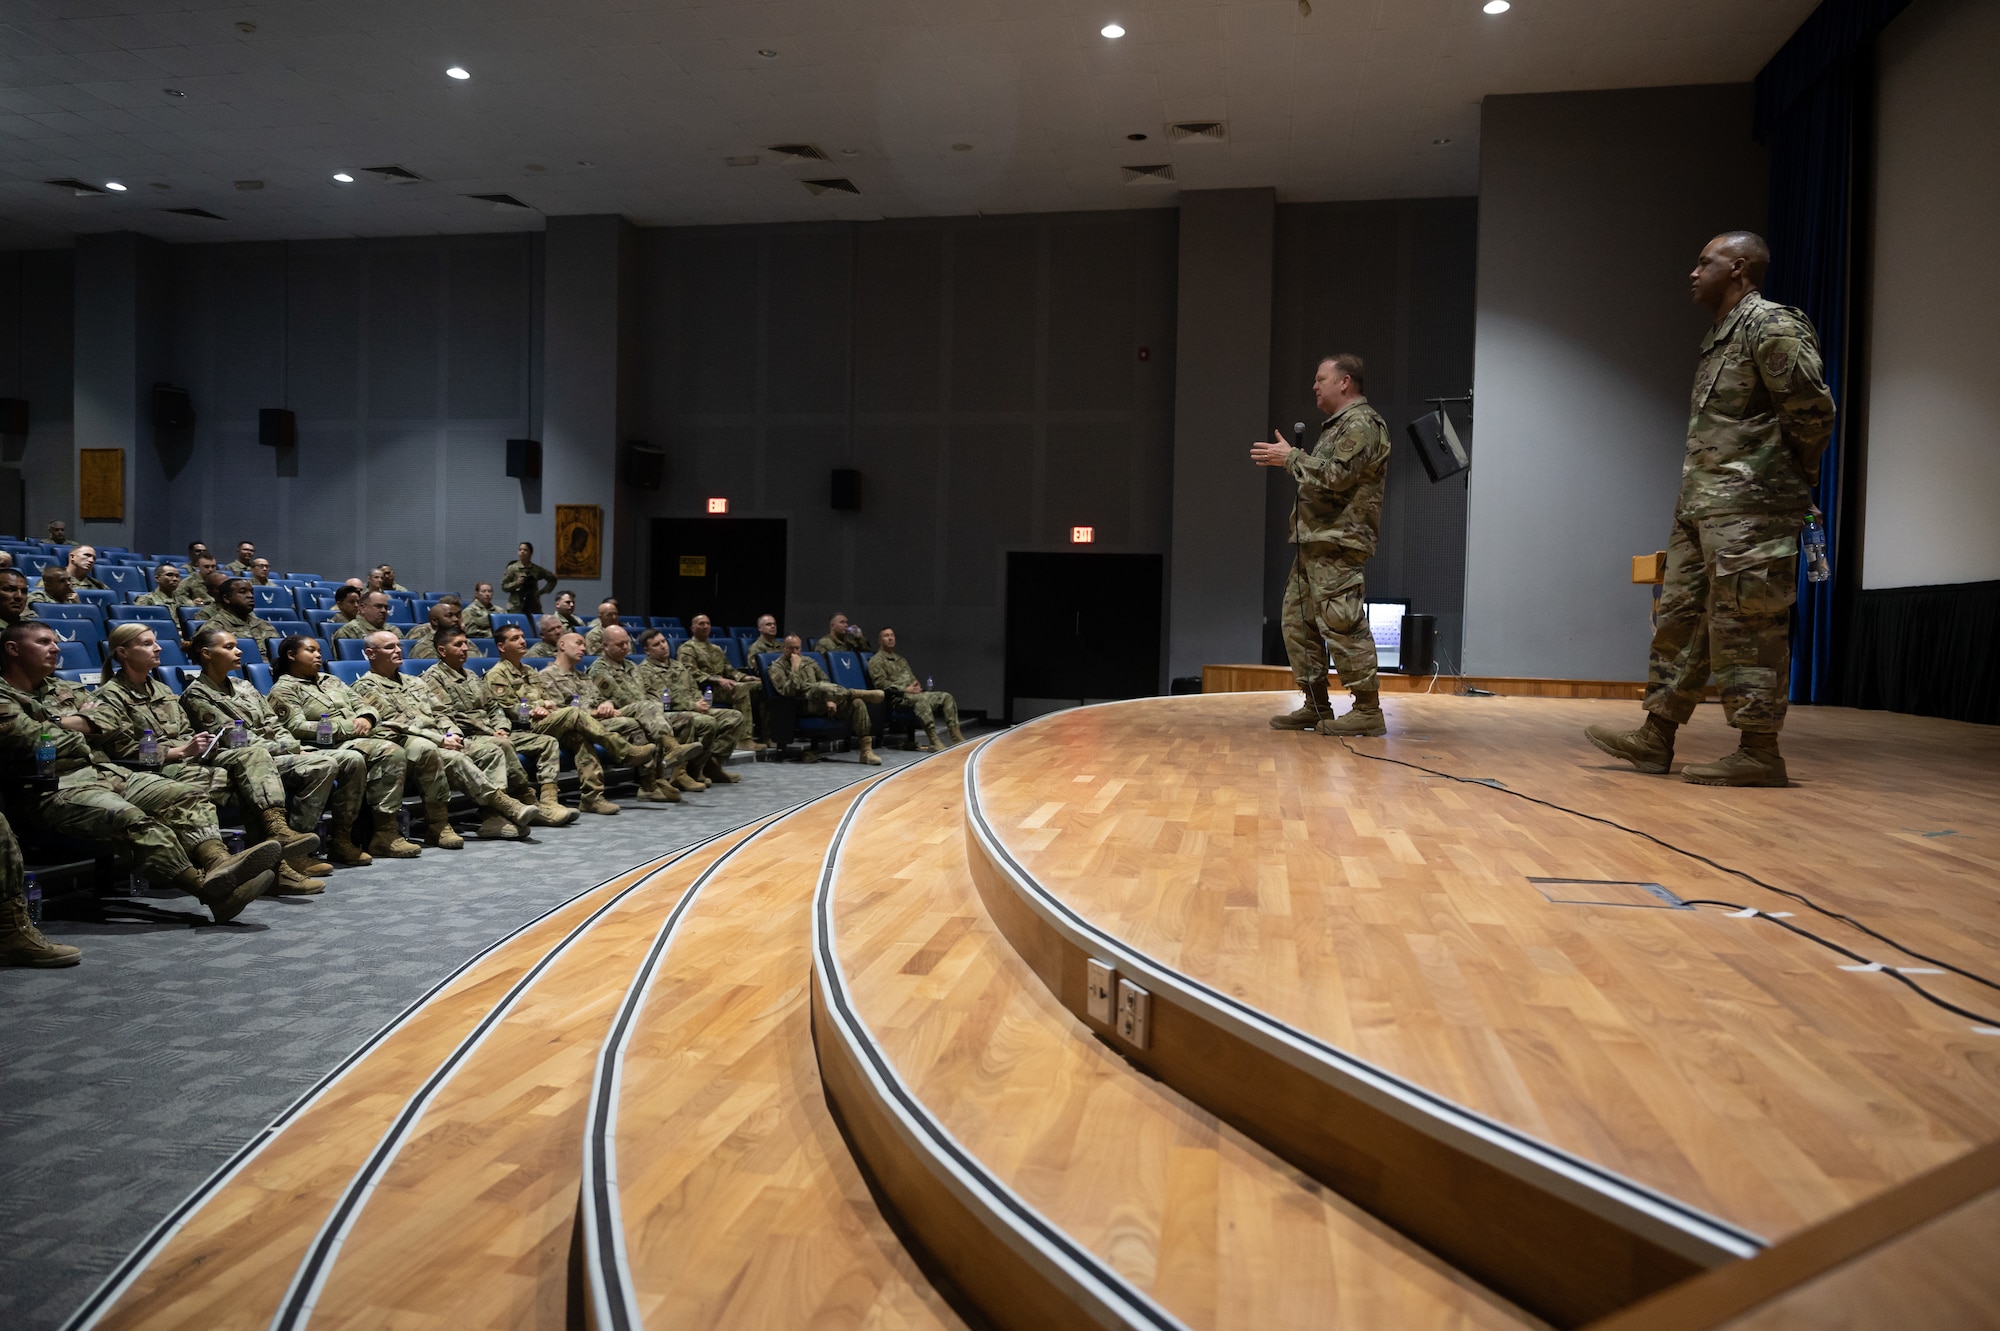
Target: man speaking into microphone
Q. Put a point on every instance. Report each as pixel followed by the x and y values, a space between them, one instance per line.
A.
pixel 1334 525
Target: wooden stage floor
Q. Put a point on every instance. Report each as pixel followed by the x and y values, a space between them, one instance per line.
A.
pixel 1507 955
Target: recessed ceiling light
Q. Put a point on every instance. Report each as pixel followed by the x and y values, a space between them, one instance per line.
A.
pixel 586 165
pixel 534 166
pixel 114 187
pixel 245 25
pixel 458 72
pixel 1136 138
pixel 768 53
pixel 1112 30
pixel 173 92
pixel 1498 6
pixel 961 147
pixel 1439 143
pixel 850 152
pixel 343 177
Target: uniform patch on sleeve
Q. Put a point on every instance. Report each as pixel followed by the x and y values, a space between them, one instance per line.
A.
pixel 1776 356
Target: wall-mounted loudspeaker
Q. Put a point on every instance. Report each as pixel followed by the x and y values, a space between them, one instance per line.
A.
pixel 13 415
pixel 524 459
pixel 846 489
pixel 645 466
pixel 173 409
pixel 277 428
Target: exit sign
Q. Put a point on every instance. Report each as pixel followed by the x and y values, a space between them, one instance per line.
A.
pixel 1082 535
pixel 718 505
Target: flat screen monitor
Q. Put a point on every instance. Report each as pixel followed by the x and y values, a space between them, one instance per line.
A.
pixel 1385 625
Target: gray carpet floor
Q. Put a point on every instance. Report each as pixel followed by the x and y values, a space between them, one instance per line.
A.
pixel 129 1079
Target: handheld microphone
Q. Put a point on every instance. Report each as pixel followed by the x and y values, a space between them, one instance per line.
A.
pixel 1299 434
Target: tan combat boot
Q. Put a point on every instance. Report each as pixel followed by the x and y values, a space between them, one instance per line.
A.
pixel 523 816
pixel 22 944
pixel 227 883
pixel 296 845
pixel 599 805
pixel 1364 718
pixel 1756 762
pixel 1650 748
pixel 868 757
pixel 957 735
pixel 438 830
pixel 388 843
pixel 292 883
pixel 658 791
pixel 713 769
pixel 627 754
pixel 1315 709
pixel 684 780
pixel 343 850
pixel 554 812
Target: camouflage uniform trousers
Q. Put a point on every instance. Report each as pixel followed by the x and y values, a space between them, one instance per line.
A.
pixel 1726 607
pixel 577 731
pixel 369 775
pixel 718 730
pixel 745 696
pixel 928 705
pixel 309 778
pixel 252 772
pixel 813 701
pixel 13 868
pixel 1324 608
pixel 528 746
pixel 149 818
pixel 477 770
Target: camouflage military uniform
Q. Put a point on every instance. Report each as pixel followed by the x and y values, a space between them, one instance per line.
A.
pixel 300 703
pixel 541 651
pixel 511 684
pixel 40 597
pixel 629 684
pixel 763 644
pixel 13 868
pixel 236 568
pixel 179 601
pixel 361 628
pixel 122 713
pixel 1334 526
pixel 892 674
pixel 85 580
pixel 1760 417
pixel 421 645
pixel 243 626
pixel 461 696
pixel 850 641
pixel 153 820
pixel 404 713
pixel 525 585
pixel 308 774
pixel 593 637
pixel 476 620
pixel 707 661
pixel 802 679
pixel 566 683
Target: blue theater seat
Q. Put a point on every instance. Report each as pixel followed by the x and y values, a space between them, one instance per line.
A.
pixel 347 671
pixel 152 614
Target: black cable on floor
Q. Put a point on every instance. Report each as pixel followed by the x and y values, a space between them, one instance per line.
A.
pixel 1785 892
pixel 1828 943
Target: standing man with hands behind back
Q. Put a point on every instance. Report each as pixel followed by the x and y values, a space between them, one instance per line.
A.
pixel 1757 424
pixel 1334 525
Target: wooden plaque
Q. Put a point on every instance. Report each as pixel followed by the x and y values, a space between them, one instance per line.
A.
pixel 579 541
pixel 101 484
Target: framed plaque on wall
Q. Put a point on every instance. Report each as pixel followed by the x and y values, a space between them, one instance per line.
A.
pixel 101 484
pixel 579 541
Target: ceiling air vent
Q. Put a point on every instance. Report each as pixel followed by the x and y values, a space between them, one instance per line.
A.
pixel 75 186
pixel 799 152
pixel 1211 131
pixel 502 202
pixel 836 186
pixel 395 175
pixel 195 212
pixel 1162 174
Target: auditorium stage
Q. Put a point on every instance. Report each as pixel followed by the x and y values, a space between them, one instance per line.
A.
pixel 1147 1015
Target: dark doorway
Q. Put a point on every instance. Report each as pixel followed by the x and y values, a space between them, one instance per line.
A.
pixel 1081 628
pixel 730 569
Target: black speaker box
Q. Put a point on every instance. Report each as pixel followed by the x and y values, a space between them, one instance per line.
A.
pixel 1438 443
pixel 1420 644
pixel 645 466
pixel 173 409
pixel 13 415
pixel 524 459
pixel 277 428
pixel 846 489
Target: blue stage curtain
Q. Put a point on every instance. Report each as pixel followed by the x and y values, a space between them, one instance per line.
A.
pixel 1806 110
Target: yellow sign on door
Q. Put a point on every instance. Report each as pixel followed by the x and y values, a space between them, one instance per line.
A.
pixel 694 566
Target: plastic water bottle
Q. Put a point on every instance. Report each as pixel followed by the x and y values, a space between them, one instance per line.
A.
pixel 1817 569
pixel 239 737
pixel 325 734
pixel 521 713
pixel 34 890
pixel 149 750
pixel 708 694
pixel 45 753
pixel 927 684
pixel 573 701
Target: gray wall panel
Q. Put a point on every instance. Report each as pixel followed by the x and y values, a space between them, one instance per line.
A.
pixel 405 330
pixel 37 315
pixel 898 316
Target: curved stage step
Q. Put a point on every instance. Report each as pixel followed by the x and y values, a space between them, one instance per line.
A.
pixel 1053 1184
pixel 1353 962
pixel 716 1188
pixel 229 1254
